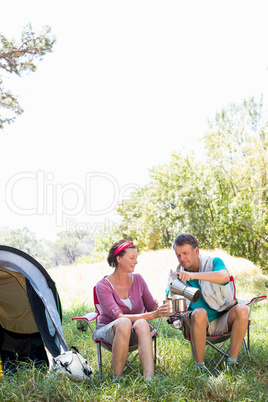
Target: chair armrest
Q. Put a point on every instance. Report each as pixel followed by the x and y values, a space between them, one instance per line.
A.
pixel 251 302
pixel 256 299
pixel 87 317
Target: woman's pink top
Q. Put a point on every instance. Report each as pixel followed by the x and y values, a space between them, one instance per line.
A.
pixel 112 305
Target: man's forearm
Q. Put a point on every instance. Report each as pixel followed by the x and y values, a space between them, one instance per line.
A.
pixel 221 276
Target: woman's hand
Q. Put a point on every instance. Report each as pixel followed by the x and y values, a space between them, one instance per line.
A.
pixel 162 310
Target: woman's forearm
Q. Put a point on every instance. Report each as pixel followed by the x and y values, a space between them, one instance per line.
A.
pixel 159 311
pixel 134 317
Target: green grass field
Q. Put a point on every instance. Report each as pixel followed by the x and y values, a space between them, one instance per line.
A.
pixel 175 379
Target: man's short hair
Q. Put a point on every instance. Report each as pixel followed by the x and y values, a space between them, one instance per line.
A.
pixel 185 238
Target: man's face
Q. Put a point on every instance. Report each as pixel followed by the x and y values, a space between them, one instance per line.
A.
pixel 187 257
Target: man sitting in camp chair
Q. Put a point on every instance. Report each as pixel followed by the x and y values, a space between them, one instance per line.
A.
pixel 213 313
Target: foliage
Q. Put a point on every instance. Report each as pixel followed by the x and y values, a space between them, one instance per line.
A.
pixel 154 214
pixel 83 259
pixel 26 241
pixel 17 58
pixel 238 157
pixel 221 199
pixel 102 244
pixel 69 247
pixel 65 250
pixel 179 198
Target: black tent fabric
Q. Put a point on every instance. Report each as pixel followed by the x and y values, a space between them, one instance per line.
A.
pixel 30 309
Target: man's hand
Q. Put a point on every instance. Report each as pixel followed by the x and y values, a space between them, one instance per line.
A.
pixel 186 276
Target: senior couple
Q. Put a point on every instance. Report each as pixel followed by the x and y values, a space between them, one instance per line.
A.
pixel 127 305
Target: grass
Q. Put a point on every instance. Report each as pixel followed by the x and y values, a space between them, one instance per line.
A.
pixel 175 379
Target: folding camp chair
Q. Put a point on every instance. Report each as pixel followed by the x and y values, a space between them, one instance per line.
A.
pixel 220 342
pixel 86 320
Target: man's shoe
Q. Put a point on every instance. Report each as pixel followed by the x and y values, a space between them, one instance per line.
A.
pixel 231 369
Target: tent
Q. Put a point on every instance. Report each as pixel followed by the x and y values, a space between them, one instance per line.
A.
pixel 30 311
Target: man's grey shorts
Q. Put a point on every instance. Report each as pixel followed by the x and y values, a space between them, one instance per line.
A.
pixel 215 327
pixel 105 332
pixel 219 326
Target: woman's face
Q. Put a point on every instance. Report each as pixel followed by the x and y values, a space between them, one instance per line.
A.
pixel 128 261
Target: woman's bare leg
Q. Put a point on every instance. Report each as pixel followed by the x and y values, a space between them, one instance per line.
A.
pixel 145 344
pixel 122 331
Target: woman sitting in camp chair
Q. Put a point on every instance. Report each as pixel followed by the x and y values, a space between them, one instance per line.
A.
pixel 126 306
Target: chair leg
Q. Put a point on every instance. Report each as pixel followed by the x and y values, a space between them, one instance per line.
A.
pixel 99 359
pixel 248 336
pixel 222 357
pixel 154 340
pixel 222 350
pixel 192 349
pixel 246 343
pixel 219 349
pixel 246 349
pixel 128 363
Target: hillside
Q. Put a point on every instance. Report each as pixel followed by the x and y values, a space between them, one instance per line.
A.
pixel 75 283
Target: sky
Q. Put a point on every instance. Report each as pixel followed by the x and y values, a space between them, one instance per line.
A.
pixel 128 83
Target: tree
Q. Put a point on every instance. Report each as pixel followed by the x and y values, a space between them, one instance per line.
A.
pixel 237 154
pixel 25 240
pixel 65 250
pixel 70 246
pixel 176 199
pixel 103 243
pixel 17 58
pixel 223 200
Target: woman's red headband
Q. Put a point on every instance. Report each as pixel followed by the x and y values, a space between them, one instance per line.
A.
pixel 122 247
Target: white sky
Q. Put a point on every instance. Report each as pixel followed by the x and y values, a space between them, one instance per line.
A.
pixel 128 83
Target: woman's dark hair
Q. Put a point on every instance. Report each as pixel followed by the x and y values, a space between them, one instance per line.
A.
pixel 112 261
pixel 185 238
